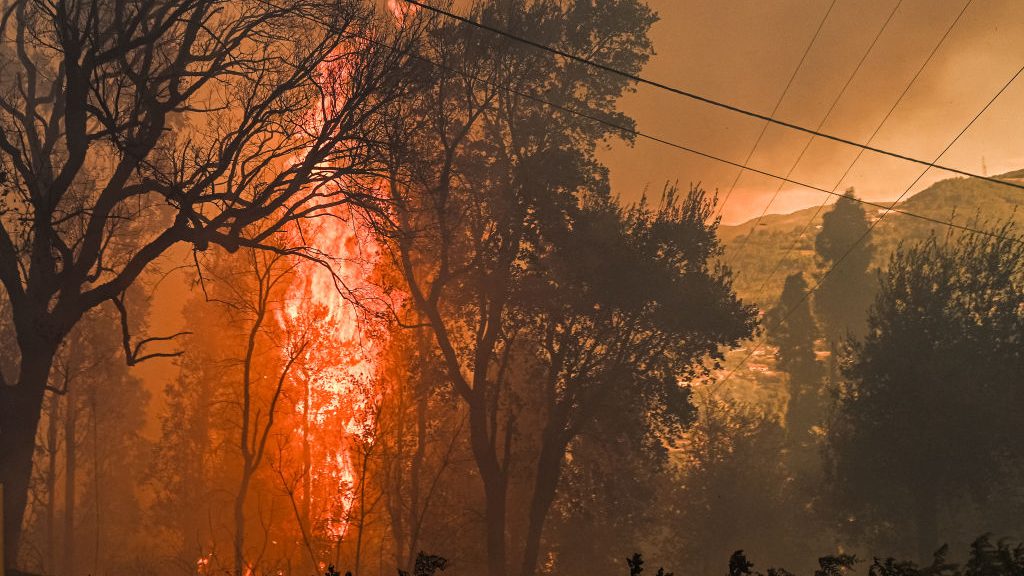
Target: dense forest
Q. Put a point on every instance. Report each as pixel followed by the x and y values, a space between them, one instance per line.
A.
pixel 419 331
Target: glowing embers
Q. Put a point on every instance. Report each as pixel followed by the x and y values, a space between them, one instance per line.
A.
pixel 203 565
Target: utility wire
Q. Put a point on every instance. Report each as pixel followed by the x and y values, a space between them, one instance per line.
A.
pixel 824 119
pixel 778 104
pixel 887 209
pixel 637 133
pixel 860 153
pixel 704 99
pixel 873 225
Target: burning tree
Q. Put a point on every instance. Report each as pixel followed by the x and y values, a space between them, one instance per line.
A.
pixel 131 126
pixel 279 393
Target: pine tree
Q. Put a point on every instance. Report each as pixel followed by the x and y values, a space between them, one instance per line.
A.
pixel 791 329
pixel 847 283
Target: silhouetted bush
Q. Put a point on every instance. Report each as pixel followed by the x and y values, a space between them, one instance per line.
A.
pixel 1002 558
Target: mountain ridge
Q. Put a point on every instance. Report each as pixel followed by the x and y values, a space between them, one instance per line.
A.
pixel 960 200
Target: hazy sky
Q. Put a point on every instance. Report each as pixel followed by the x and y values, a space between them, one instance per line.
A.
pixel 744 51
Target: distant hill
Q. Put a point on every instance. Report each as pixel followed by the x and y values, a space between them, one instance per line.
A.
pixel 967 201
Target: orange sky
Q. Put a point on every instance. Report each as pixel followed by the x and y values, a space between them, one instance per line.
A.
pixel 744 51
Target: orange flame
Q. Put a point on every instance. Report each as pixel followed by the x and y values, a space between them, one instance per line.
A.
pixel 339 361
pixel 342 352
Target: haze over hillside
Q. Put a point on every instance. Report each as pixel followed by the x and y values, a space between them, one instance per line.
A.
pixel 964 201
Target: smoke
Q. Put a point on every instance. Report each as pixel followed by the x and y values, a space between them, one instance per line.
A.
pixel 745 54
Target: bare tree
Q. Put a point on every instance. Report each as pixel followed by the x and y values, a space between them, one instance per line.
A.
pixel 264 276
pixel 128 126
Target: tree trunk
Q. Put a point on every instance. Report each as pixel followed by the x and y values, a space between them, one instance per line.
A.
pixel 20 409
pixel 96 484
pixel 494 516
pixel 70 469
pixel 549 472
pixel 307 459
pixel 362 508
pixel 243 490
pixel 495 488
pixel 51 483
pixel 926 504
pixel 415 474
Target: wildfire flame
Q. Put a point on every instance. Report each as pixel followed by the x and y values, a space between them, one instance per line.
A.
pixel 338 361
pixel 339 364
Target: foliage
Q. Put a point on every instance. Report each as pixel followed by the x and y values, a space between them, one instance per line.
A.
pixel 735 487
pixel 931 392
pixel 1003 558
pixel 791 328
pixel 636 566
pixel 845 287
pixel 984 559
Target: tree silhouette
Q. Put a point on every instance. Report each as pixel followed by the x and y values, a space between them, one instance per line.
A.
pixel 842 299
pixel 548 302
pixel 790 327
pixel 129 127
pixel 485 177
pixel 929 399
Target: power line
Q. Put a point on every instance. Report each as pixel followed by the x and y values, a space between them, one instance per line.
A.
pixel 785 91
pixel 860 153
pixel 874 224
pixel 704 99
pixel 887 209
pixel 637 133
pixel 824 119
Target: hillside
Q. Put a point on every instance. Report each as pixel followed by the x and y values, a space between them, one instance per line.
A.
pixel 966 201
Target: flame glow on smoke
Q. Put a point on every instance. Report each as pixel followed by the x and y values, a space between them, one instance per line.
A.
pixel 402 10
pixel 337 366
pixel 339 362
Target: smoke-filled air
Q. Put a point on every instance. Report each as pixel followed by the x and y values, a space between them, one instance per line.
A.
pixel 511 288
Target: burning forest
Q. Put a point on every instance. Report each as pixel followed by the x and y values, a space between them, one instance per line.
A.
pixel 323 286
